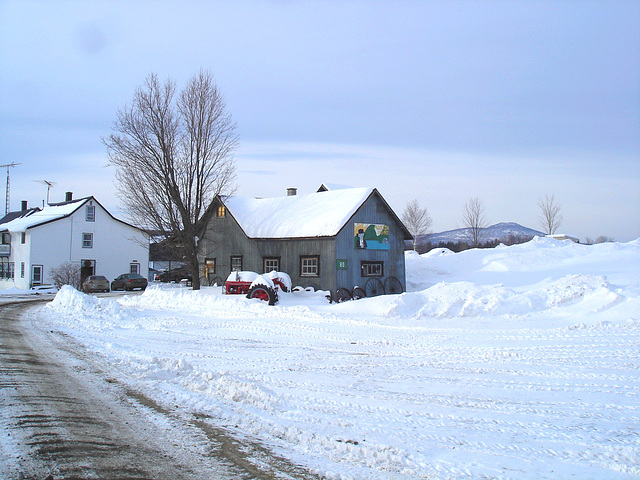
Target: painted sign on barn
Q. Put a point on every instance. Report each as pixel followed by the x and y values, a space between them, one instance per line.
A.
pixel 370 236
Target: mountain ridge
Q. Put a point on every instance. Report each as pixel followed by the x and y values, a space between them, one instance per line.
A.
pixel 502 232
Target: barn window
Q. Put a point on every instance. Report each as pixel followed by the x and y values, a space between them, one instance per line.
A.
pixel 210 266
pixel 271 263
pixel 371 269
pixel 222 212
pixel 310 266
pixel 236 263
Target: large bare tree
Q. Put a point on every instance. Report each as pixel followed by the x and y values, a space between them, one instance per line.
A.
pixel 416 219
pixel 550 216
pixel 173 154
pixel 474 220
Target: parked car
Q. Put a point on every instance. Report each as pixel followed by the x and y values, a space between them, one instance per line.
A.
pixel 129 281
pixel 95 283
pixel 176 275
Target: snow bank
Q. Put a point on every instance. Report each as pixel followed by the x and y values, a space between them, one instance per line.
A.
pixel 75 304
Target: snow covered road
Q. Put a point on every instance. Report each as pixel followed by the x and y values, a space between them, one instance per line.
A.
pixel 512 363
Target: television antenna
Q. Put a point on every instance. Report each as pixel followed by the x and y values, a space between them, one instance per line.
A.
pixel 8 165
pixel 49 186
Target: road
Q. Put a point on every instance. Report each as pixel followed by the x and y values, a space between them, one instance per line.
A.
pixel 63 416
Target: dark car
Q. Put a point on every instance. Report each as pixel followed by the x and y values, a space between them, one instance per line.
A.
pixel 129 281
pixel 95 283
pixel 176 275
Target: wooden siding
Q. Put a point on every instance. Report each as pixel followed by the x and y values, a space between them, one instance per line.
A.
pixel 372 211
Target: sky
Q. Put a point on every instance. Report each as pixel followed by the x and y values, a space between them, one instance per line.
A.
pixel 438 101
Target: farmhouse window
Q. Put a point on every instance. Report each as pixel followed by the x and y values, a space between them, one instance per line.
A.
pixel 134 268
pixel 6 268
pixel 271 263
pixel 310 266
pixel 222 212
pixel 6 239
pixel 236 263
pixel 36 274
pixel 23 237
pixel 87 240
pixel 91 213
pixel 371 269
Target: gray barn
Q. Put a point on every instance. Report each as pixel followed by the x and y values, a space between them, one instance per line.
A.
pixel 328 240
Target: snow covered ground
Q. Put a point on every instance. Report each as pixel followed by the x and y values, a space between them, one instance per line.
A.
pixel 517 362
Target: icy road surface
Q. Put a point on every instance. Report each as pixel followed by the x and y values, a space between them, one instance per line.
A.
pixel 64 416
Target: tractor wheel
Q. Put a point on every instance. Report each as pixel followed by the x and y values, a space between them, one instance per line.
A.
pixel 264 293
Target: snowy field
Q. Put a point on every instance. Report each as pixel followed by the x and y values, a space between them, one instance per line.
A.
pixel 518 362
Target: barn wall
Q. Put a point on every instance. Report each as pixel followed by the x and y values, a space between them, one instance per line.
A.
pixel 222 239
pixel 372 211
pixel 291 250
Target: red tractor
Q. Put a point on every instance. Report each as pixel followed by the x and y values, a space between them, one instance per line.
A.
pixel 253 285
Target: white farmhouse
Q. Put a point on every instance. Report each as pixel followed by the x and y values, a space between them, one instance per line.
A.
pixel 83 232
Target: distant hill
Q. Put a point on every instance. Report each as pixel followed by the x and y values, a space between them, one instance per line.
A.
pixel 506 232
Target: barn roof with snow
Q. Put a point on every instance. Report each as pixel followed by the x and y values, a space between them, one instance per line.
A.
pixel 320 214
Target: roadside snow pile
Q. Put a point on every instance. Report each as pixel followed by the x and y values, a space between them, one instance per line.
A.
pixel 516 362
pixel 78 307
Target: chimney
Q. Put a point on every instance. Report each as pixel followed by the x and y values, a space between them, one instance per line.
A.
pixel 24 205
pixel 68 196
pixel 292 191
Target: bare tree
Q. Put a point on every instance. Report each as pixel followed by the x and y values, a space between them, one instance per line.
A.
pixel 173 154
pixel 550 216
pixel 604 239
pixel 67 273
pixel 416 219
pixel 474 220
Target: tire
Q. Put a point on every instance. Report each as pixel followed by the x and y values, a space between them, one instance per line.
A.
pixel 342 295
pixel 263 293
pixel 358 293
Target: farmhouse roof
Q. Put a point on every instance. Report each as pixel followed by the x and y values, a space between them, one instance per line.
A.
pixel 320 214
pixel 17 222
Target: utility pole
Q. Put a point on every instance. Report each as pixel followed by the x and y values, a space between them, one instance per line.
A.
pixel 8 165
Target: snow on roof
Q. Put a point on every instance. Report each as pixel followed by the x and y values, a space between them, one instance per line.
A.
pixel 314 215
pixel 43 215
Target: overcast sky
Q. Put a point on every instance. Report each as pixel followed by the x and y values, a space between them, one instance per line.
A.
pixel 439 101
